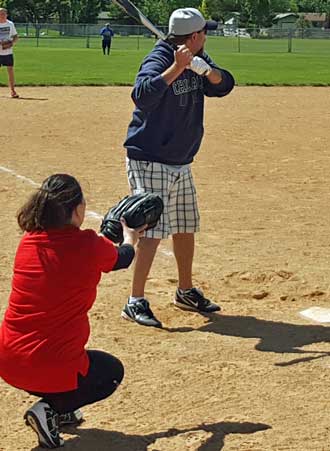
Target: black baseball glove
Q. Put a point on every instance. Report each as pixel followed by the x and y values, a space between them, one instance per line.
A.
pixel 137 210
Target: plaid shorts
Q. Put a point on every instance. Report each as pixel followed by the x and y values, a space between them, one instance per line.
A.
pixel 177 190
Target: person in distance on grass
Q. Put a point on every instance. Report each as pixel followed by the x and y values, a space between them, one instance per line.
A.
pixel 8 37
pixel 163 137
pixel 107 34
pixel 45 327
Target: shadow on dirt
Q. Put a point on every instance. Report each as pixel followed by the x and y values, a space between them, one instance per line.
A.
pixel 274 336
pixel 100 440
pixel 23 98
pixel 31 98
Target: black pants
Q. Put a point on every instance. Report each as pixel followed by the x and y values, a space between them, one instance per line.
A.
pixel 104 375
pixel 106 44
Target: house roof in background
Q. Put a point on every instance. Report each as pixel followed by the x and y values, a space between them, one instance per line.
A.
pixel 314 17
pixel 285 15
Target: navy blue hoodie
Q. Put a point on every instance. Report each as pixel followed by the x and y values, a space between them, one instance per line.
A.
pixel 167 123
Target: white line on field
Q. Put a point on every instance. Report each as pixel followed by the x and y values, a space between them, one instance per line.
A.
pixel 21 177
pixel 89 213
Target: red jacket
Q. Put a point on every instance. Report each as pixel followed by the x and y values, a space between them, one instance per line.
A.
pixel 45 327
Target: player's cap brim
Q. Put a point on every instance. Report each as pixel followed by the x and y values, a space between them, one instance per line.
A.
pixel 211 25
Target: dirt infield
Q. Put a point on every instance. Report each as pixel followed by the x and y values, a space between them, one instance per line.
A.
pixel 255 377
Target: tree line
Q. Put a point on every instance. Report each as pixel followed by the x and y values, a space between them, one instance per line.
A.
pixel 249 12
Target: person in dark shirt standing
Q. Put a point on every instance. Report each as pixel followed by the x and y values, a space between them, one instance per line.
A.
pixel 163 137
pixel 107 35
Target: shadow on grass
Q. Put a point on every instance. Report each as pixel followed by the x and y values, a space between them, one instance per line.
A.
pixel 273 336
pixel 100 440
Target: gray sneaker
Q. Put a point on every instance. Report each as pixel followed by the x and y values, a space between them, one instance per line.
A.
pixel 44 421
pixel 195 301
pixel 141 313
pixel 71 418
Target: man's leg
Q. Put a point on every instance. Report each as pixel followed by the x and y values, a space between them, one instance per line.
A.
pixel 142 174
pixel 187 297
pixel 185 217
pixel 137 309
pixel 145 253
pixel 108 47
pixel 11 80
pixel 183 247
pixel 103 46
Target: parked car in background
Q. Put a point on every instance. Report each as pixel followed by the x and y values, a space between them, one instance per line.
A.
pixel 241 32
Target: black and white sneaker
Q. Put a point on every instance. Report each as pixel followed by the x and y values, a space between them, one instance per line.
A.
pixel 141 313
pixel 44 421
pixel 195 301
pixel 71 418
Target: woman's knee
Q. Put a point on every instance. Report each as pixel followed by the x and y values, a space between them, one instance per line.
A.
pixel 107 367
pixel 118 371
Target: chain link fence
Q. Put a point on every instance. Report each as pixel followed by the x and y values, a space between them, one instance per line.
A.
pixel 135 37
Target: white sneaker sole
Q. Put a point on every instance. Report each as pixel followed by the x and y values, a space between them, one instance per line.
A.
pixel 32 420
pixel 186 307
pixel 191 308
pixel 128 318
pixel 78 419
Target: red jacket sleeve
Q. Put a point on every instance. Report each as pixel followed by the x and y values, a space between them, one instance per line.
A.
pixel 106 253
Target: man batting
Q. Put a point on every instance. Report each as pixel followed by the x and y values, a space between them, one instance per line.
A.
pixel 163 137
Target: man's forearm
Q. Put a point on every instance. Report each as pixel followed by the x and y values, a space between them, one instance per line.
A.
pixel 172 73
pixel 214 76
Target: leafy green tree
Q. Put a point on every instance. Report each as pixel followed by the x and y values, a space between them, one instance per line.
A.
pixel 62 9
pixel 159 11
pixel 204 9
pixel 262 13
pixel 293 6
pixel 87 10
pixel 317 6
pixel 323 6
pixel 31 10
pixel 250 12
pixel 220 10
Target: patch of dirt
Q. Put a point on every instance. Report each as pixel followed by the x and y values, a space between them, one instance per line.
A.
pixel 256 376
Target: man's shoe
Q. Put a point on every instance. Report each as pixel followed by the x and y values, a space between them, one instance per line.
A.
pixel 44 421
pixel 71 418
pixel 141 313
pixel 194 300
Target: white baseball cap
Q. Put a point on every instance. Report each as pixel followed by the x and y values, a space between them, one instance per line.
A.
pixel 185 21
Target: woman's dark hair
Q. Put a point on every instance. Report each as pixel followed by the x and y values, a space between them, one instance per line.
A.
pixel 52 205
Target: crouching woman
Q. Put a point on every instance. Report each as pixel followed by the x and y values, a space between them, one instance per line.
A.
pixel 45 327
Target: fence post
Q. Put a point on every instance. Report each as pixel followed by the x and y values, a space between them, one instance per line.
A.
pixel 87 40
pixel 290 41
pixel 37 33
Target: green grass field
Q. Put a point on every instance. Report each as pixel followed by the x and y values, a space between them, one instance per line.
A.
pixel 64 61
